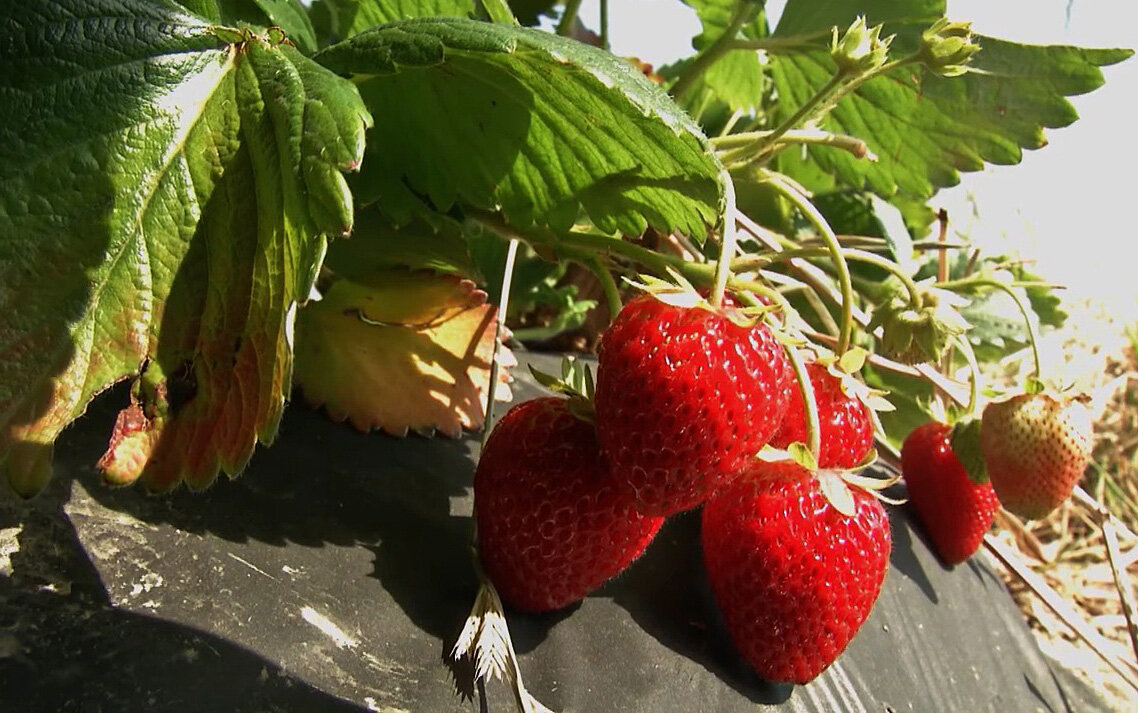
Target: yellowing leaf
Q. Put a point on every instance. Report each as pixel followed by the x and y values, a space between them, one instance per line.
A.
pixel 400 351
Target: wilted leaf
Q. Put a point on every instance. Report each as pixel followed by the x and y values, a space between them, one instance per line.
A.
pixel 400 351
pixel 164 197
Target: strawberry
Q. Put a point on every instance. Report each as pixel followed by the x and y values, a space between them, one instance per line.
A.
pixel 1035 449
pixel 955 511
pixel 846 427
pixel 685 398
pixel 551 526
pixel 794 578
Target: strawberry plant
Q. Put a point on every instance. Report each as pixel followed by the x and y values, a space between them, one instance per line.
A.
pixel 217 200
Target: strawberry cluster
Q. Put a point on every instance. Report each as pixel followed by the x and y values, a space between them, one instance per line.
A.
pixel 686 398
pixel 1026 453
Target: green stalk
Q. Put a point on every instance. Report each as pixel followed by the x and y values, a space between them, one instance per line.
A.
pixel 869 258
pixel 608 285
pixel 1032 334
pixel 833 249
pixel 710 54
pixel 806 393
pixel 737 147
pixel 565 26
pixel 762 144
pixel 965 348
pixel 605 24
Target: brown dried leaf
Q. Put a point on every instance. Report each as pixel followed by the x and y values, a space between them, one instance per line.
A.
pixel 400 351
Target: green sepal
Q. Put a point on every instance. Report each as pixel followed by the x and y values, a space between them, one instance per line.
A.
pixel 965 441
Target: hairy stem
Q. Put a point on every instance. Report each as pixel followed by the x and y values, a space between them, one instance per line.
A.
pixel 758 262
pixel 816 219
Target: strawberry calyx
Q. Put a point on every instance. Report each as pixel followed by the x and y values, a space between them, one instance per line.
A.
pixel 919 333
pixel 575 382
pixel 680 292
pixel 965 442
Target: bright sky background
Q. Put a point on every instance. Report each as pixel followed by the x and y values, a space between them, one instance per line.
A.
pixel 1067 204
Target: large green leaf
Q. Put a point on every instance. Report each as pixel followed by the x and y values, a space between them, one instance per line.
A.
pixel 164 197
pixel 924 128
pixel 535 125
pixel 342 19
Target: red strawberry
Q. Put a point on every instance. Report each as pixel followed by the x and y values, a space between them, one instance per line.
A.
pixel 954 511
pixel 551 526
pixel 846 427
pixel 1036 449
pixel 794 578
pixel 685 398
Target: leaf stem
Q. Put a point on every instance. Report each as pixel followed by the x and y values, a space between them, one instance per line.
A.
pixel 812 214
pixel 711 53
pixel 565 26
pixel 1032 333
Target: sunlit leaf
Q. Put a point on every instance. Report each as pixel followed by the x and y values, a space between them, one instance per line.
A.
pixel 400 351
pixel 924 128
pixel 164 197
pixel 547 127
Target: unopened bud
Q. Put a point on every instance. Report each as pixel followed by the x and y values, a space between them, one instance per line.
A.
pixel 859 49
pixel 947 47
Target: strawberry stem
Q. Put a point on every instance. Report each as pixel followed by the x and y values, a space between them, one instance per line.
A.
pixel 759 261
pixel 845 284
pixel 608 285
pixel 810 404
pixel 965 348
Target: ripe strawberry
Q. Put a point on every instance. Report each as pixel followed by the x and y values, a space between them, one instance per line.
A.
pixel 846 427
pixel 551 526
pixel 794 578
pixel 1035 449
pixel 684 399
pixel 954 511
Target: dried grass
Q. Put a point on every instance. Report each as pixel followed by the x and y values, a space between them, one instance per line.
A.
pixel 1067 548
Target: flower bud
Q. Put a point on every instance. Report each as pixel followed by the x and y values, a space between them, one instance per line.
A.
pixel 859 49
pixel 947 47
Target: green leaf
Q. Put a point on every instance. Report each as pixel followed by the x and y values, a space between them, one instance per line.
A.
pixel 341 19
pixel 430 242
pixel 924 128
pixel 163 201
pixel 290 16
pixel 736 79
pixel 537 126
